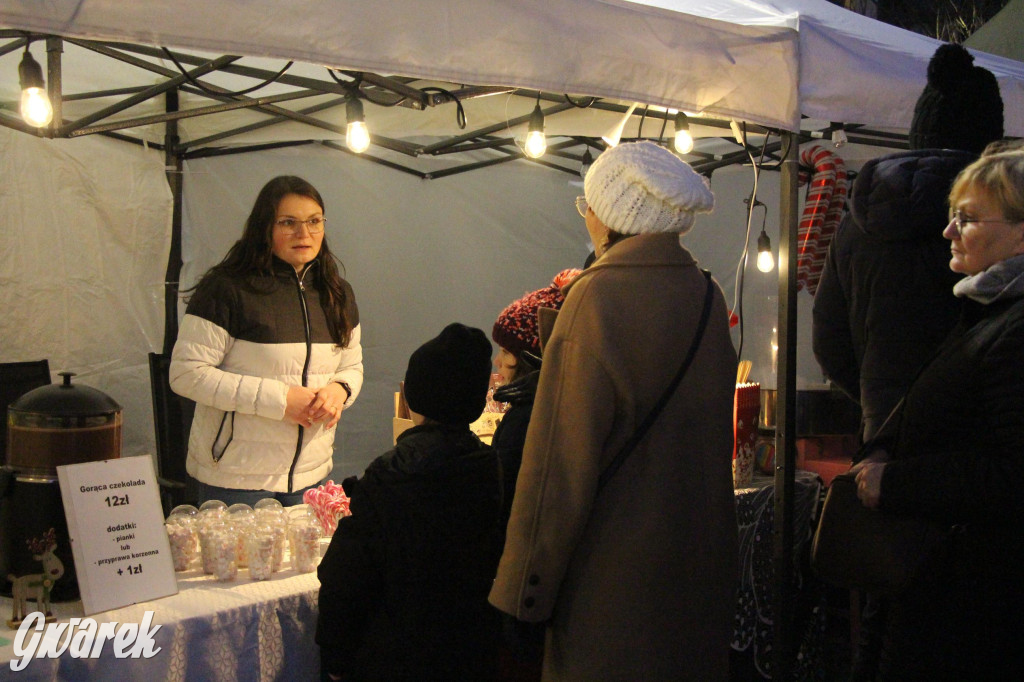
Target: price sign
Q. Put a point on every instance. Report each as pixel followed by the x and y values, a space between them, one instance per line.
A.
pixel 118 540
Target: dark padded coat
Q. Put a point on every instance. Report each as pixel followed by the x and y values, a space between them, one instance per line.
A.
pixel 958 459
pixel 404 583
pixel 510 436
pixel 885 300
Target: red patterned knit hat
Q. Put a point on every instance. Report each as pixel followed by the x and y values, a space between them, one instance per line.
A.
pixel 516 327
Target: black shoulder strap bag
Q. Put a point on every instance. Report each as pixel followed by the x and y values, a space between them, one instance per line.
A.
pixel 641 430
pixel 871 550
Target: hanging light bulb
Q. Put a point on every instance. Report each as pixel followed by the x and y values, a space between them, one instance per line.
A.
pixel 765 259
pixel 684 140
pixel 357 137
pixel 536 143
pixel 586 163
pixel 36 109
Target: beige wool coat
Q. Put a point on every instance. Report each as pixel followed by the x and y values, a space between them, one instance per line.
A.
pixel 638 582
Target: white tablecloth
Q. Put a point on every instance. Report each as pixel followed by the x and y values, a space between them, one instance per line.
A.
pixel 231 632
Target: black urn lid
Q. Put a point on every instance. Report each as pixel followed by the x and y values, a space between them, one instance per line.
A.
pixel 66 400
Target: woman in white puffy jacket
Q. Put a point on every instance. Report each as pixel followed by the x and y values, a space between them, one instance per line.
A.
pixel 269 350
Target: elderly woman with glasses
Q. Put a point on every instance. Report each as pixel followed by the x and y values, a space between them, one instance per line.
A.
pixel 953 452
pixel 269 350
pixel 634 569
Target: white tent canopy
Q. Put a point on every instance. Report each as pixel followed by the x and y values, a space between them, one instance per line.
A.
pixel 766 62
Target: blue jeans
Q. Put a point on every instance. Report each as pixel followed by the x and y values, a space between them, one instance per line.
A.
pixel 232 496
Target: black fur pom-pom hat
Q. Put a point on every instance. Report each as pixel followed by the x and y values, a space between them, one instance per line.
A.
pixel 960 107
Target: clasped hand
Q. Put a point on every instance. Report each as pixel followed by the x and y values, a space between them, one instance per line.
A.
pixel 869 478
pixel 307 407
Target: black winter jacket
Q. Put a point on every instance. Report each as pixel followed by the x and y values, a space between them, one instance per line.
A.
pixel 885 300
pixel 510 436
pixel 957 445
pixel 404 583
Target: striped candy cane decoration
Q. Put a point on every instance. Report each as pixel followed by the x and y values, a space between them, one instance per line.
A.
pixel 828 228
pixel 826 195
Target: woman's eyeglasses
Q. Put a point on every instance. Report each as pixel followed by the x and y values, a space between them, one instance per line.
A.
pixel 293 226
pixel 960 221
pixel 581 206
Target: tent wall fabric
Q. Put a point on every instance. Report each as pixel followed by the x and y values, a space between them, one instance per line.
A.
pixel 419 254
pixel 82 259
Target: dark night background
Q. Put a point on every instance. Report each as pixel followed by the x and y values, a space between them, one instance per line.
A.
pixel 949 20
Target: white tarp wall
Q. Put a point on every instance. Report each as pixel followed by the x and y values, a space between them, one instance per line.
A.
pixel 83 252
pixel 421 254
pixel 83 256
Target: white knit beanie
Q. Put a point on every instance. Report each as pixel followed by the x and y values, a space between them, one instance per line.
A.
pixel 641 188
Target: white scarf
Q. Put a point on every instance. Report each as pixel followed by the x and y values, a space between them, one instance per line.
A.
pixel 1000 281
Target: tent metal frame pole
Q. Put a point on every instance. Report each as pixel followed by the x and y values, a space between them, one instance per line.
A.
pixel 148 93
pixel 199 142
pixel 783 636
pixel 12 46
pixel 330 144
pixel 209 152
pixel 174 165
pixel 188 113
pixel 54 82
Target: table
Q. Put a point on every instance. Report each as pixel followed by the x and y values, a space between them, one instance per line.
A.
pixel 210 630
pixel 265 630
pixel 755 617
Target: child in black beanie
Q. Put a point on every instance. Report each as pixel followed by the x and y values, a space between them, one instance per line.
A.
pixel 404 583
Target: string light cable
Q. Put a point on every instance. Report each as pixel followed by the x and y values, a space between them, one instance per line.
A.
pixel 752 202
pixel 576 104
pixel 210 91
pixel 460 112
pixel 664 124
pixel 640 127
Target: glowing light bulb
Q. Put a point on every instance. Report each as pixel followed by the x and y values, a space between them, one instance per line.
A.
pixel 36 109
pixel 684 140
pixel 357 137
pixel 765 259
pixel 536 144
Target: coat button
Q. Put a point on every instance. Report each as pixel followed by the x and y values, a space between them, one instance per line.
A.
pixel 528 602
pixel 535 579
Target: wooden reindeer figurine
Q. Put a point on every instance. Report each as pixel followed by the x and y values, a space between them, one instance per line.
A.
pixel 36 586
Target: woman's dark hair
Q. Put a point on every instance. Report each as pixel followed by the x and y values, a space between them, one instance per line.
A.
pixel 614 238
pixel 253 254
pixel 524 365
